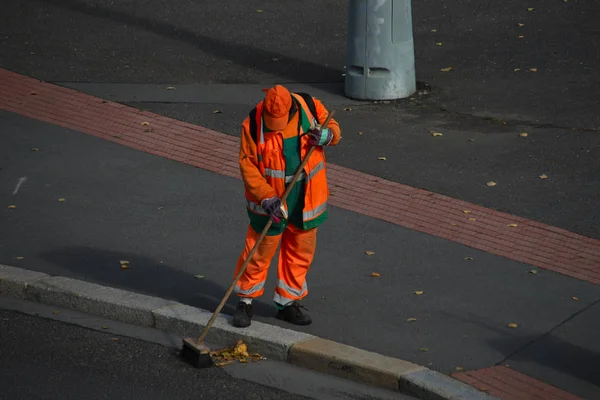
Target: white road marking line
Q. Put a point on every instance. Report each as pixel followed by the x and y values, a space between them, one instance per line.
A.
pixel 19 183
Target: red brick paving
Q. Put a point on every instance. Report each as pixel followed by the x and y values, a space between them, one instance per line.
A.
pixel 508 384
pixel 529 242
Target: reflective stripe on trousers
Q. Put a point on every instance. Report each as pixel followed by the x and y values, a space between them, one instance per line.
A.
pixel 254 289
pixel 296 293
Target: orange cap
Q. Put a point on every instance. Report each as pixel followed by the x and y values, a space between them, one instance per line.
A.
pixel 276 108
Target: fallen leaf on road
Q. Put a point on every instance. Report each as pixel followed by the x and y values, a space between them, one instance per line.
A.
pixel 472 219
pixel 12 206
pixel 520 24
pixel 124 266
pixel 419 292
pixel 116 339
pixel 469 258
pixel 575 298
pixel 524 134
pixel 145 124
pixel 382 158
pixel 35 149
pixel 453 224
pixel 439 44
pixel 259 10
pixel 411 320
pixel 62 199
pixel 530 9
pixel 19 258
pixel 517 69
pixel 170 88
pixel 447 69
pixel 375 274
pixel 423 349
pixel 436 134
pixel 459 368
pixel 105 327
pixel 512 325
pixel 124 262
pixel 543 176
pixel 238 352
pixel 533 69
pixel 512 225
pixel 198 276
pixel 240 349
pixel 56 312
pixel 218 112
pixel 434 30
pixel 491 183
pixel 466 211
pixel 369 253
pixel 533 271
pixel 521 37
pixel 361 133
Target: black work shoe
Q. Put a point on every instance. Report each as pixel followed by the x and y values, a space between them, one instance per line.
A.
pixel 293 314
pixel 243 315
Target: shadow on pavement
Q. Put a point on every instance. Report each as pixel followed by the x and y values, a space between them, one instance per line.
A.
pixel 553 352
pixel 249 57
pixel 146 276
pixel 548 351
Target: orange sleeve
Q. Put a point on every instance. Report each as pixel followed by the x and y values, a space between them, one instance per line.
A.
pixel 254 182
pixel 333 125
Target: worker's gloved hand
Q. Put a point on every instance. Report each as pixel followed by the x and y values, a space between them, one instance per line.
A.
pixel 319 136
pixel 272 206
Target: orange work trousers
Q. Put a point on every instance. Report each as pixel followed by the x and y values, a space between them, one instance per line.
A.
pixel 295 257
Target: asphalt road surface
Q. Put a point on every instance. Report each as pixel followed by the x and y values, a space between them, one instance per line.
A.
pixel 47 353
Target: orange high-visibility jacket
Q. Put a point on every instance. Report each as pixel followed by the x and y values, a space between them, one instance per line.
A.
pixel 262 164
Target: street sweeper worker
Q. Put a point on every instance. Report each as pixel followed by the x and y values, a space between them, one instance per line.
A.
pixel 276 137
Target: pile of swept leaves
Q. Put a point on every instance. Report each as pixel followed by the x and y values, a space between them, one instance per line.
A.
pixel 239 353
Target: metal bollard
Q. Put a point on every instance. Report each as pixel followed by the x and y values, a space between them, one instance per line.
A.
pixel 380 59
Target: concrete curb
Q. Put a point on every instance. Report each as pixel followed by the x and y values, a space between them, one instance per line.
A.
pixel 298 348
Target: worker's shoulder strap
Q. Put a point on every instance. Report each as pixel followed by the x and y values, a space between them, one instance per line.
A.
pixel 308 99
pixel 253 127
pixel 310 102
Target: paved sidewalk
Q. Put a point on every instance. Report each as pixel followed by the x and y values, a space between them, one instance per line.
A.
pixel 112 194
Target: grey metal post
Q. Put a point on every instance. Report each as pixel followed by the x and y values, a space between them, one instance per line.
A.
pixel 380 58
